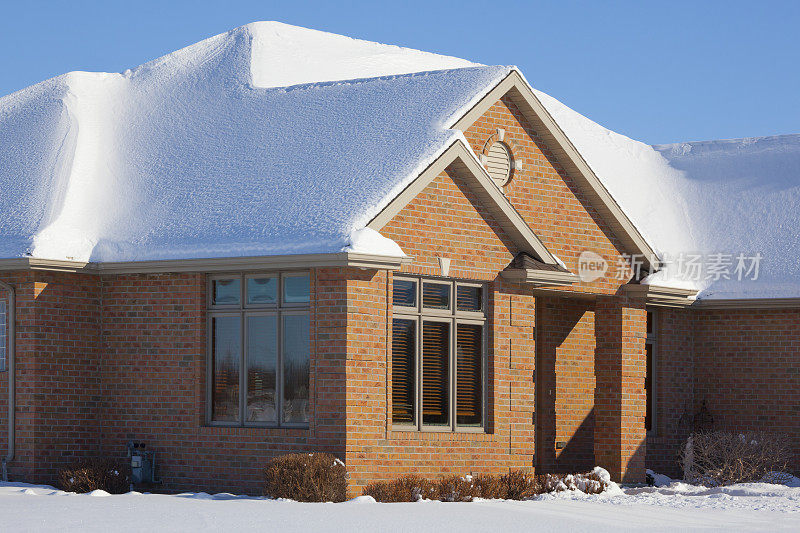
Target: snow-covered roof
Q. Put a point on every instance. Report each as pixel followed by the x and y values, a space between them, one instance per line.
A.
pixel 273 139
pixel 201 154
pixel 736 198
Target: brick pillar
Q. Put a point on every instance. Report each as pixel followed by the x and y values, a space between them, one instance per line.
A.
pixel 620 367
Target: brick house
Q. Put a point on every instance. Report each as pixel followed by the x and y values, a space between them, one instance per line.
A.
pixel 451 328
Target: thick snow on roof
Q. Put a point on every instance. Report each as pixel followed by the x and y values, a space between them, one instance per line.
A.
pixel 732 197
pixel 184 157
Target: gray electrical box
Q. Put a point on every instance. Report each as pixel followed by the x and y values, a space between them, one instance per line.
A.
pixel 143 464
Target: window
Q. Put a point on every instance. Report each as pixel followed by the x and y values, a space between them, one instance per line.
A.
pixel 259 349
pixel 649 380
pixel 438 338
pixel 5 327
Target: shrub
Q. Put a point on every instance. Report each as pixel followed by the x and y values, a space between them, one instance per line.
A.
pixel 515 485
pixel 490 487
pixel 408 488
pixel 520 485
pixel 306 477
pixel 593 482
pixel 94 474
pixel 724 458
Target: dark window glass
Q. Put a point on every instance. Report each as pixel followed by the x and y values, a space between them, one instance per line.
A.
pixel 435 296
pixel 262 361
pixel 648 387
pixel 649 322
pixel 262 291
pixel 296 350
pixel 227 350
pixel 404 293
pixel 404 336
pixel 469 298
pixel 4 330
pixel 296 289
pixel 227 291
pixel 435 373
pixel 469 391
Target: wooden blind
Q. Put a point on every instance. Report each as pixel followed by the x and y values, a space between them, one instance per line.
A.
pixel 435 296
pixel 469 391
pixel 469 298
pixel 435 372
pixel 404 337
pixel 404 293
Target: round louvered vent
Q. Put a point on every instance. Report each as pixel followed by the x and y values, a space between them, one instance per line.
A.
pixel 498 163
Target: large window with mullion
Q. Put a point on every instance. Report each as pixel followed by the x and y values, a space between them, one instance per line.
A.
pixel 259 349
pixel 438 347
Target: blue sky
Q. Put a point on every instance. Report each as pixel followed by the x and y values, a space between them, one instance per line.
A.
pixel 656 71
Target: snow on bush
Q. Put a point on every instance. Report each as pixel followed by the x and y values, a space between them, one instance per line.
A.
pixel 514 485
pixel 94 476
pixel 719 458
pixel 306 477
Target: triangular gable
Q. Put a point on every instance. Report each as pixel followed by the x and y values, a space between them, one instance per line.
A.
pixel 520 93
pixel 460 157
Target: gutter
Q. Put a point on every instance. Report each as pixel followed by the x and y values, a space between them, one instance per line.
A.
pixel 11 378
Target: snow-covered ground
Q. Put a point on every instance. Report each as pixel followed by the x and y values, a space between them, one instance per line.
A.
pixel 677 506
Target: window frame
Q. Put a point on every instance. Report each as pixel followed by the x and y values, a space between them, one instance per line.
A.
pixel 454 317
pixel 6 340
pixel 651 338
pixel 244 310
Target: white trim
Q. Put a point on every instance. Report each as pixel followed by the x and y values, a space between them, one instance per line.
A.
pixel 219 264
pixel 749 303
pixel 523 96
pixel 661 296
pixel 540 278
pixel 463 159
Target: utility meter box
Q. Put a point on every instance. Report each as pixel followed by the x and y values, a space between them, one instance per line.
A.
pixel 143 464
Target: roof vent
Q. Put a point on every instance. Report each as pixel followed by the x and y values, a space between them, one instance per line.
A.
pixel 498 163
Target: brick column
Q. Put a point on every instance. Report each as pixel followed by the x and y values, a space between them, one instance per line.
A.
pixel 620 367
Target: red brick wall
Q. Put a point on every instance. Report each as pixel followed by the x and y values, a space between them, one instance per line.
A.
pixel 674 389
pixel 446 219
pixel 747 369
pixel 154 331
pixel 566 343
pixel 547 197
pixel 742 363
pixel 58 393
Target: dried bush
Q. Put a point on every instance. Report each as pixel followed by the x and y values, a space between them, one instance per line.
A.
pixel 95 474
pixel 515 485
pixel 520 485
pixel 408 488
pixel 457 489
pixel 306 477
pixel 593 482
pixel 490 487
pixel 723 458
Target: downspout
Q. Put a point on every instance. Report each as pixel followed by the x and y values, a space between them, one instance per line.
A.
pixel 11 378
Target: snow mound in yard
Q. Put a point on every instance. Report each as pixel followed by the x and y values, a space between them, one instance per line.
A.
pixel 732 197
pixel 199 154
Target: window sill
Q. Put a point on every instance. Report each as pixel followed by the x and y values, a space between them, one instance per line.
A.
pixel 436 430
pixel 222 425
